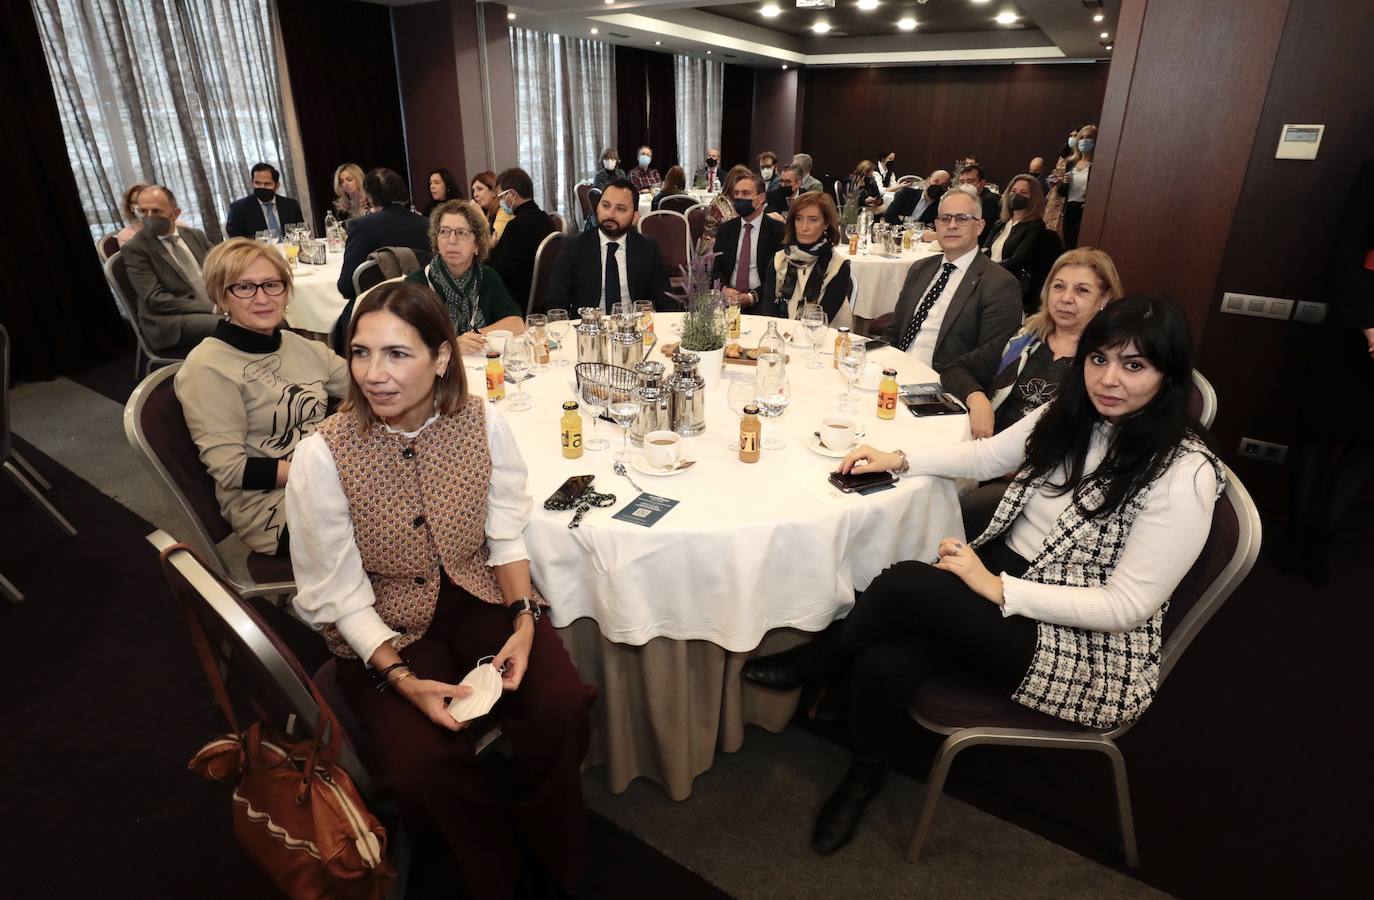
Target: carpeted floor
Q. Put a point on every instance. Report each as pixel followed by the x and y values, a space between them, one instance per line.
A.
pixel 1234 796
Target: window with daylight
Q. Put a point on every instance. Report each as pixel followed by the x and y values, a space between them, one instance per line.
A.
pixel 182 92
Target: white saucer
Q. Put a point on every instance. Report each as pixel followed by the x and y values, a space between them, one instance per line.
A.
pixel 641 465
pixel 303 270
pixel 814 444
pixel 869 381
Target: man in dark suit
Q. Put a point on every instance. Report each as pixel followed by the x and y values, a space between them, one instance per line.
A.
pixel 264 209
pixel 954 304
pixel 614 263
pixel 708 176
pixel 764 236
pixel 923 204
pixel 392 225
pixel 972 175
pixel 513 255
pixel 789 188
pixel 164 262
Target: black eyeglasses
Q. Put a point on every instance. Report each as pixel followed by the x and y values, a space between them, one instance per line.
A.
pixel 246 290
pixel 961 218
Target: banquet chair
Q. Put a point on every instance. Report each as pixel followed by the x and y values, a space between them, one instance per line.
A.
pixel 156 428
pixel 1202 403
pixel 559 223
pixel 838 190
pixel 584 198
pixel 145 357
pixel 673 234
pixel 911 181
pixel 107 246
pixel 970 712
pixel 696 221
pixel 367 276
pixel 541 279
pixel 678 203
pixel 19 469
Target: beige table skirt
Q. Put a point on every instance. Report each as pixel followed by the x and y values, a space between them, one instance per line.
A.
pixel 667 706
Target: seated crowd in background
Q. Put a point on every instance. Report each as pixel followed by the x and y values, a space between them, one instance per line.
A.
pixel 163 260
pixel 443 187
pixel 263 209
pixel 525 229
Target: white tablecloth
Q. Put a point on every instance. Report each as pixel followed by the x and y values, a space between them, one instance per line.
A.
pixel 316 301
pixel 880 279
pixel 750 548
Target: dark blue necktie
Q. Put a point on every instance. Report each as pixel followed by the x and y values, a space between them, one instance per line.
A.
pixel 923 310
pixel 612 280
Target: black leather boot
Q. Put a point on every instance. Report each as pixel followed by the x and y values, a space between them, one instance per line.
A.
pixel 839 817
pixel 791 669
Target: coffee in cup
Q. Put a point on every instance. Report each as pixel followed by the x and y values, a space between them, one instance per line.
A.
pixel 837 433
pixel 663 449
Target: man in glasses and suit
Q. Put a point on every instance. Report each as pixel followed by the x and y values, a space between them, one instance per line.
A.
pixel 953 304
pixel 164 261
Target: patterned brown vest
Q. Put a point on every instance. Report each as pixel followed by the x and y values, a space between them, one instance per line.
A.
pixel 416 506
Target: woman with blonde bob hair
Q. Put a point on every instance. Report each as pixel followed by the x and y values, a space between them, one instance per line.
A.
pixel 351 201
pixel 408 511
pixel 807 269
pixel 252 390
pixel 476 298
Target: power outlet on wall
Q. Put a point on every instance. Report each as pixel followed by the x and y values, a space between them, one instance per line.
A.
pixel 1263 450
pixel 1255 305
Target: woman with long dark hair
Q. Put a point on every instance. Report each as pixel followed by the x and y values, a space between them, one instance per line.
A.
pixel 1061 601
pixel 443 187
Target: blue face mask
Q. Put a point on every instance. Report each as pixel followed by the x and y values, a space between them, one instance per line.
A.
pixel 505 207
pixel 1086 145
pixel 645 160
pixel 1073 142
pixel 744 207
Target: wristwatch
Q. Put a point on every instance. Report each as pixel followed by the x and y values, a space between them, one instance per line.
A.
pixel 522 606
pixel 904 467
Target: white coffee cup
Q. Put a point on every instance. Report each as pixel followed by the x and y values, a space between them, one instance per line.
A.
pixel 496 340
pixel 837 433
pixel 662 449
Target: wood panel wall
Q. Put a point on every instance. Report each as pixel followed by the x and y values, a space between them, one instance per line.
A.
pixel 428 81
pixel 931 115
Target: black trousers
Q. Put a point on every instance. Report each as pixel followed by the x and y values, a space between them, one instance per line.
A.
pixel 1073 220
pixel 916 621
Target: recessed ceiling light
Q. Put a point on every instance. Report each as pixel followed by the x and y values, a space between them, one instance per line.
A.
pixel 784 65
pixel 982 1
pixel 1103 34
pixel 769 11
pixel 658 43
pixel 510 16
pixel 1006 18
pixel 1099 17
pixel 821 27
pixel 609 2
pixel 906 24
pixel 594 31
pixel 868 4
pixel 1108 47
pixel 708 52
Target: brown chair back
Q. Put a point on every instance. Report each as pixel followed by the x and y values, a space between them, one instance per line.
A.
pixel 542 280
pixel 672 233
pixel 107 246
pixel 584 199
pixel 696 222
pixel 678 203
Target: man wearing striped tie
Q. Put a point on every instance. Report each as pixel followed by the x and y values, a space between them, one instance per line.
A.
pixel 960 303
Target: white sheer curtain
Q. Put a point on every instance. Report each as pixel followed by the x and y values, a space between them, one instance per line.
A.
pixel 182 92
pixel 564 112
pixel 699 86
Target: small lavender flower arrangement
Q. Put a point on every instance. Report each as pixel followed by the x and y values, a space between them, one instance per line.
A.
pixel 702 328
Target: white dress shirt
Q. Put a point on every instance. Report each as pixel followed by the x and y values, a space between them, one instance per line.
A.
pixel 923 348
pixel 620 253
pixel 1078 185
pixel 995 249
pixel 1162 546
pixel 754 280
pixel 331 584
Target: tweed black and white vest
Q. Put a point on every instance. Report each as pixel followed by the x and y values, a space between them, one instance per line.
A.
pixel 1096 678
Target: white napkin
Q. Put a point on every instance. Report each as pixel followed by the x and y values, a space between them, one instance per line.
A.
pixel 485 681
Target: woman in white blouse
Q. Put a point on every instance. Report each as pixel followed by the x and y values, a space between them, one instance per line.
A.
pixel 1075 183
pixel 407 511
pixel 1061 604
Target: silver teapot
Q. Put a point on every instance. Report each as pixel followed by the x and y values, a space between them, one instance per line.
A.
pixel 655 402
pixel 591 336
pixel 687 391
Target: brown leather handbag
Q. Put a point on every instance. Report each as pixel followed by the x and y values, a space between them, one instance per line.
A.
pixel 297 814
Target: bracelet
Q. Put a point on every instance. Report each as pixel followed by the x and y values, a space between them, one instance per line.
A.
pixel 384 682
pixel 404 675
pixel 906 464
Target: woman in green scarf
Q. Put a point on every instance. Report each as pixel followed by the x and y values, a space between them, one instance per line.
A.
pixel 473 294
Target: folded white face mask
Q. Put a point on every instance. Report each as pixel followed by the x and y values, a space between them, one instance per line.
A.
pixel 485 681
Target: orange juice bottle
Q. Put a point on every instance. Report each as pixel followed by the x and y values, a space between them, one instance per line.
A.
pixel 887 394
pixel 496 377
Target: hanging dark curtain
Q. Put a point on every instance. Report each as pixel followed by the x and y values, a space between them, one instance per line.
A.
pixel 738 117
pixel 53 296
pixel 646 108
pixel 342 67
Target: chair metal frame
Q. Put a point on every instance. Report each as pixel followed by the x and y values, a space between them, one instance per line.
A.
pixel 146 359
pixel 100 246
pixel 537 283
pixel 201 538
pixel 695 212
pixel 683 200
pixel 1238 566
pixel 365 266
pixel 1209 399
pixel 686 231
pixel 19 469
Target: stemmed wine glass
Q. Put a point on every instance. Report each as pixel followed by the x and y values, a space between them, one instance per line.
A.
pixel 596 396
pixel 624 407
pixel 774 396
pixel 519 358
pixel 558 328
pixel 740 393
pixel 813 319
pixel 536 323
pixel 852 364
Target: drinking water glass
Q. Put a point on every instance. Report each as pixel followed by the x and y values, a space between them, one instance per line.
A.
pixel 739 393
pixel 537 325
pixel 624 408
pixel 774 396
pixel 558 328
pixel 852 364
pixel 596 396
pixel 813 319
pixel 519 359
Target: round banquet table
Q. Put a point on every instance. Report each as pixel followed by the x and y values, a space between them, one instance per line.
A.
pixel 315 299
pixel 880 279
pixel 660 619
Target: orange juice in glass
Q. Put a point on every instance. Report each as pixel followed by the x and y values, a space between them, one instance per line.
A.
pixel 645 309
